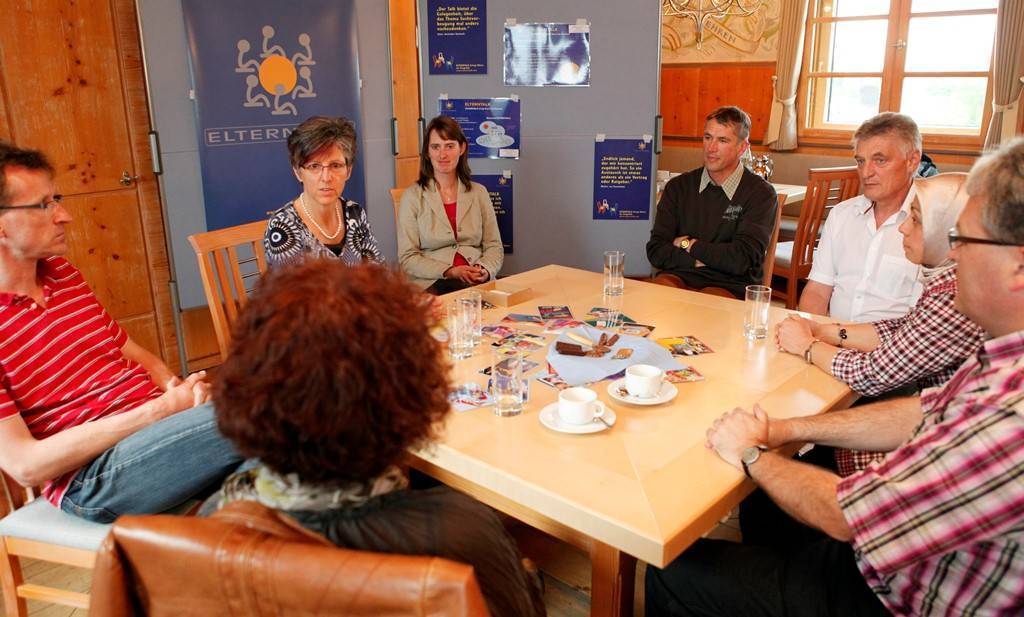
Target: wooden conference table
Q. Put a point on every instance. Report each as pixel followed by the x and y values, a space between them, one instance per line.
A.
pixel 646 488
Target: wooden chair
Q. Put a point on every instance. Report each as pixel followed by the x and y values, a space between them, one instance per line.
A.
pixel 769 255
pixel 30 527
pixel 226 278
pixel 396 200
pixel 826 187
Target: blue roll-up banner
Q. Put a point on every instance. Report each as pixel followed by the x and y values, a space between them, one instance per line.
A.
pixel 491 125
pixel 260 68
pixel 457 37
pixel 499 186
pixel 622 179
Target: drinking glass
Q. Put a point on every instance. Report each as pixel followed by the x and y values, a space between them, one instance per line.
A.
pixel 614 270
pixel 461 314
pixel 507 384
pixel 478 314
pixel 755 313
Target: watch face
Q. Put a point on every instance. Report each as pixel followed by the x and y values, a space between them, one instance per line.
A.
pixel 684 244
pixel 750 455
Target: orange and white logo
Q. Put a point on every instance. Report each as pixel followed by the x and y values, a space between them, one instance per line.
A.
pixel 273 75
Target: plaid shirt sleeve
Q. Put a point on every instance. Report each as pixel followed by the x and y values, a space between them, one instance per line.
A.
pixel 933 336
pixel 955 484
pixel 886 328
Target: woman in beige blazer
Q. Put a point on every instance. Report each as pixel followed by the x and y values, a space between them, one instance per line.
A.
pixel 448 236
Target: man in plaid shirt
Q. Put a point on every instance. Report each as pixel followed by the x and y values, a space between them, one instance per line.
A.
pixel 935 528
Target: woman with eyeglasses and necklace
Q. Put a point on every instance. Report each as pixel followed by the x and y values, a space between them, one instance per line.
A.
pixel 448 236
pixel 320 222
pixel 922 349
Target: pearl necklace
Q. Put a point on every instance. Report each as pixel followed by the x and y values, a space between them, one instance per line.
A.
pixel 337 212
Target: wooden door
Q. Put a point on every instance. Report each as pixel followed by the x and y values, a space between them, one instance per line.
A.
pixel 72 81
pixel 405 89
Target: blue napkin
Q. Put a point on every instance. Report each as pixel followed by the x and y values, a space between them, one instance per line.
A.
pixel 578 371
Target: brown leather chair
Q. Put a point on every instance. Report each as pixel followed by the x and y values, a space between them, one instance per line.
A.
pixel 249 560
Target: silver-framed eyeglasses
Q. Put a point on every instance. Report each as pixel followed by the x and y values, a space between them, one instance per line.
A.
pixel 43 205
pixel 335 167
pixel 955 240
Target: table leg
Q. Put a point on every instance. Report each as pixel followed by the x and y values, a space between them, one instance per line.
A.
pixel 611 581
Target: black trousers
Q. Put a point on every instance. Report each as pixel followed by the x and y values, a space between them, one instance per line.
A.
pixel 717 578
pixel 443 286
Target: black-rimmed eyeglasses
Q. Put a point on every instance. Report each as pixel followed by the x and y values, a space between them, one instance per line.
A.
pixel 955 240
pixel 43 205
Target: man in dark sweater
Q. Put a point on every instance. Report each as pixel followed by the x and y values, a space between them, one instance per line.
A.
pixel 714 223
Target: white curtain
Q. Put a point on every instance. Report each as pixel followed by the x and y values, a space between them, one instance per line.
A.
pixel 1007 64
pixel 781 133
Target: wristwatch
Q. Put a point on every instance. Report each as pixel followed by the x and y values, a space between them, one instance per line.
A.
pixel 684 244
pixel 750 456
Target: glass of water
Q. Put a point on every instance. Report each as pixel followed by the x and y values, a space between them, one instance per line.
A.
pixel 755 312
pixel 614 272
pixel 478 314
pixel 507 382
pixel 461 314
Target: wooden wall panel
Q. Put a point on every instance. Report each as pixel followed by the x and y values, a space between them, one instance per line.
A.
pixel 142 330
pixel 103 244
pixel 405 89
pixel 80 86
pixel 72 83
pixel 679 101
pixel 689 92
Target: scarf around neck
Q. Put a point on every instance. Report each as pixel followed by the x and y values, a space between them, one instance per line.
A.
pixel 288 492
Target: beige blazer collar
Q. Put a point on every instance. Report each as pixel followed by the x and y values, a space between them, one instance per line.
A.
pixel 437 205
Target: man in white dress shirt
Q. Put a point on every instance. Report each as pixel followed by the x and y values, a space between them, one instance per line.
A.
pixel 860 272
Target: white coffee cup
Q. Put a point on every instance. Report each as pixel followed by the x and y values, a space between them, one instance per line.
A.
pixel 579 406
pixel 644 380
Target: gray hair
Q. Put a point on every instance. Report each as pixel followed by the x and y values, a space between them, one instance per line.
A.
pixel 999 176
pixel 890 122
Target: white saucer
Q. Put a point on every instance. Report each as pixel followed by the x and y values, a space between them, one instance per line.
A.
pixel 549 417
pixel 667 393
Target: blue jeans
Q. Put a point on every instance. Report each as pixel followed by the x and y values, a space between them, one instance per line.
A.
pixel 156 469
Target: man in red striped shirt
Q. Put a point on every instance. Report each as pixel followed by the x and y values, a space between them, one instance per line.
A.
pixel 935 528
pixel 98 421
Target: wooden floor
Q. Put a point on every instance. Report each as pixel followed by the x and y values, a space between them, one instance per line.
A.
pixel 566 573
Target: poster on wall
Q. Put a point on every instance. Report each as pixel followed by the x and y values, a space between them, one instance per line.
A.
pixel 457 37
pixel 547 54
pixel 734 37
pixel 259 68
pixel 491 125
pixel 622 179
pixel 499 187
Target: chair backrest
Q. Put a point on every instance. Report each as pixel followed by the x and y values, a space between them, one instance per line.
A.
pixel 826 187
pixel 250 560
pixel 396 200
pixel 227 278
pixel 769 257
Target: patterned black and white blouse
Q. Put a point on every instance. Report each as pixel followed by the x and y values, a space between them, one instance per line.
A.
pixel 287 237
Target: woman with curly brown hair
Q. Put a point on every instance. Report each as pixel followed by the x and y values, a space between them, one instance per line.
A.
pixel 332 375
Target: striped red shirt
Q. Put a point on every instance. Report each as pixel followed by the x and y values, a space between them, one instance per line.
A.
pixel 938 525
pixel 61 364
